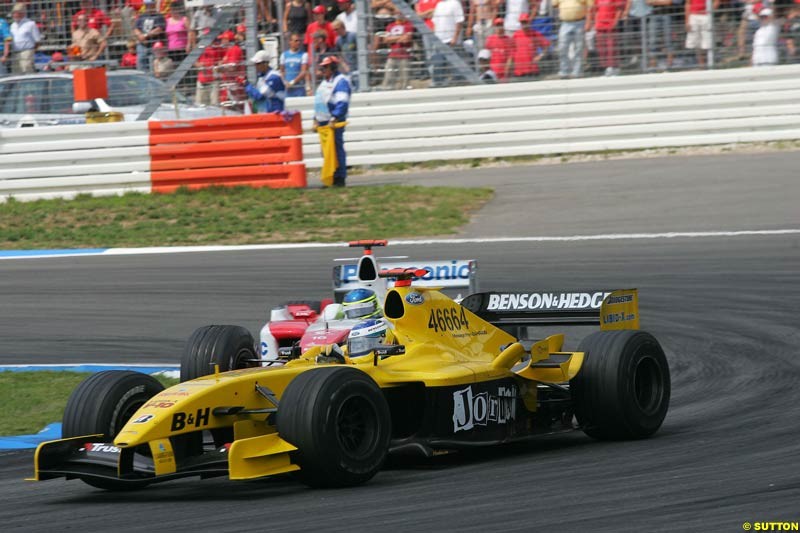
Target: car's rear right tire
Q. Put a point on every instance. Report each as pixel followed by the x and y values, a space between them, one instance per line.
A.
pixel 622 390
pixel 230 347
pixel 339 420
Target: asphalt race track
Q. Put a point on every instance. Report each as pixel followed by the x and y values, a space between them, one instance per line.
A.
pixel 726 310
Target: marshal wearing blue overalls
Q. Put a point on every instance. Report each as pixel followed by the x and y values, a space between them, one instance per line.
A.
pixel 269 92
pixel 331 104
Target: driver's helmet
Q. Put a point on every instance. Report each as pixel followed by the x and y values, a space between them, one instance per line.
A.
pixel 366 336
pixel 361 303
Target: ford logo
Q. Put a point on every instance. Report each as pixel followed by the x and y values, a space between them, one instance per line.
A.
pixel 414 298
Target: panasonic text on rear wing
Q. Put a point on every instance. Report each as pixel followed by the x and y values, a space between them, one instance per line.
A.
pixel 448 274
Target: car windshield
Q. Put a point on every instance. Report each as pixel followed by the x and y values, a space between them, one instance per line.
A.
pixel 126 90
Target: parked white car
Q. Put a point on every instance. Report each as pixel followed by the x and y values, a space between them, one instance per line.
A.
pixel 46 99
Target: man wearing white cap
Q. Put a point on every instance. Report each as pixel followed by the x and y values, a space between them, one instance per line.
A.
pixel 25 38
pixel 269 92
pixel 765 40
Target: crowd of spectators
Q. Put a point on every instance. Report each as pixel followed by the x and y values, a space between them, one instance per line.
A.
pixel 501 40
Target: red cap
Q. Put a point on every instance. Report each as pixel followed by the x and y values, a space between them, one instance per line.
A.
pixel 524 17
pixel 319 10
pixel 241 28
pixel 344 1
pixel 499 21
pixel 57 56
pixel 228 34
pixel 330 60
pixel 158 45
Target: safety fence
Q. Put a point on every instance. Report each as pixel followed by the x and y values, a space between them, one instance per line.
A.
pixel 62 161
pixel 563 116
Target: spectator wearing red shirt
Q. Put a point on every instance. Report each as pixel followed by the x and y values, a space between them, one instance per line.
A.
pixel 129 58
pixel 698 28
pixel 529 47
pixel 606 15
pixel 502 48
pixel 398 36
pixel 95 17
pixel 320 24
pixel 207 84
pixel 231 67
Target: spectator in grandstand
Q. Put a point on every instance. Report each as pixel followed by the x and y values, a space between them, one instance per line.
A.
pixel 56 63
pixel 765 40
pixel 25 39
pixel 207 91
pixel 230 69
pixel 574 23
pixel 792 31
pixel 448 21
pixel 294 68
pixel 331 106
pixel 318 51
pixel 500 47
pixel 479 22
pixel 267 15
pixel 269 92
pixel 296 16
pixel 87 42
pixel 163 66
pixel 529 48
pixel 748 25
pixel 425 9
pixel 347 48
pixel 659 31
pixel 129 57
pixel 149 29
pixel 177 32
pixel 348 15
pixel 487 75
pixel 698 28
pixel 515 8
pixel 96 18
pixel 5 42
pixel 202 20
pixel 634 15
pixel 332 9
pixel 606 15
pixel 398 36
pixel 320 24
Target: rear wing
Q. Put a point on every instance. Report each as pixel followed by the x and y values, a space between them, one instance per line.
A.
pixel 447 274
pixel 610 309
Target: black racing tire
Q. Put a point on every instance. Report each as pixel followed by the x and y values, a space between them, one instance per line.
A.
pixel 230 347
pixel 339 420
pixel 622 391
pixel 102 404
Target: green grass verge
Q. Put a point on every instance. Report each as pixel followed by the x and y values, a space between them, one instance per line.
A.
pixel 238 216
pixel 31 400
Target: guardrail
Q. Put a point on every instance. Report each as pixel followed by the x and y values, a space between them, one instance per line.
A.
pixel 545 117
pixel 563 116
pixel 62 161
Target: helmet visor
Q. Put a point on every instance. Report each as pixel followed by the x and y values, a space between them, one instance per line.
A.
pixel 360 309
pixel 363 345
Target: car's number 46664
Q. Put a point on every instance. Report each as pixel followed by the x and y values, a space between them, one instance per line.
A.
pixel 448 319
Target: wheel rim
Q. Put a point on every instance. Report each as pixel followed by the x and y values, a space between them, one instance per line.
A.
pixel 356 427
pixel 240 360
pixel 648 385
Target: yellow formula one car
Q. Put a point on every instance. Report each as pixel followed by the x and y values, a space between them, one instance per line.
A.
pixel 454 378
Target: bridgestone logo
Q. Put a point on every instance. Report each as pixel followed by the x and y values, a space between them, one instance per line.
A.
pixel 545 300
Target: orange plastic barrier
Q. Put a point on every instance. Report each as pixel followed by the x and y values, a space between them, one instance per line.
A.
pixel 89 83
pixel 256 150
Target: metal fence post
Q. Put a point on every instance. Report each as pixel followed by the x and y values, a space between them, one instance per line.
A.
pixel 251 34
pixel 361 43
pixel 710 54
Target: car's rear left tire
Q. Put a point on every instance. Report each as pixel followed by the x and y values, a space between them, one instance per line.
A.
pixel 339 420
pixel 102 404
pixel 622 391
